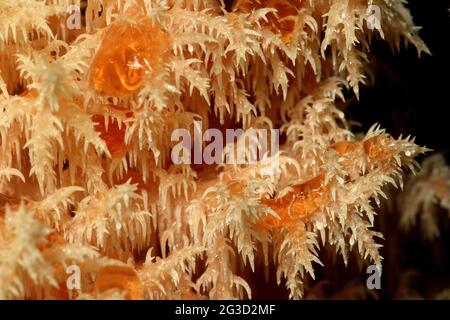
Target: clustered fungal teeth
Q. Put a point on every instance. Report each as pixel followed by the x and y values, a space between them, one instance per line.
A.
pixel 129 53
pixel 424 193
pixel 86 123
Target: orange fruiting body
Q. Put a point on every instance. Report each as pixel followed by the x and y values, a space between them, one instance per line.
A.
pixel 29 93
pixel 123 278
pixel 301 202
pixel 281 22
pixel 128 54
pixel 114 136
pixel 377 148
pixel 343 147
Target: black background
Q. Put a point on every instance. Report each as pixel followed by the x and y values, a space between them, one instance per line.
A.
pixel 412 95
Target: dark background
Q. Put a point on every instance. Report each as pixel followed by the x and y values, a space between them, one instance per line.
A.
pixel 412 95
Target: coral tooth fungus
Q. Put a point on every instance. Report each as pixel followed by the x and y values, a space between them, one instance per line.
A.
pixel 113 135
pixel 123 277
pixel 302 201
pixel 282 21
pixel 130 53
pixel 88 175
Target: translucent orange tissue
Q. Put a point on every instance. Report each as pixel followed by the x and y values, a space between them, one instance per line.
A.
pixel 123 278
pixel 113 135
pixel 129 53
pixel 282 21
pixel 301 202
